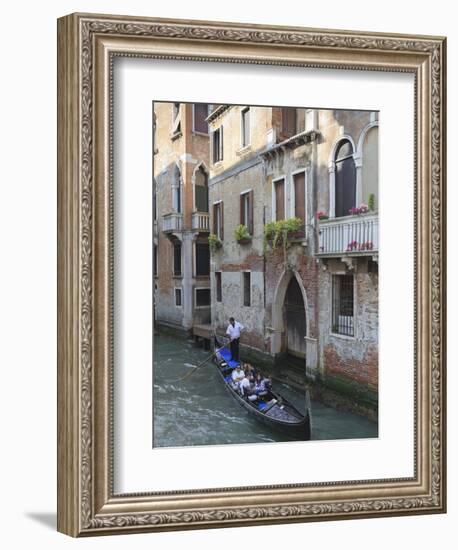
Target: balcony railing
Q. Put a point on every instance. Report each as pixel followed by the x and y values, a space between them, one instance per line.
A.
pixel 172 222
pixel 200 221
pixel 350 235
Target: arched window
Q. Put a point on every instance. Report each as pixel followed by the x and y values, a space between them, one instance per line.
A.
pixel 201 190
pixel 345 179
pixel 176 190
pixel 370 167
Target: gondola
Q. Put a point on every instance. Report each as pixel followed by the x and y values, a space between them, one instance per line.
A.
pixel 271 409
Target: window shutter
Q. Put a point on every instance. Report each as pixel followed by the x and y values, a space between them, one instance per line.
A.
pixel 250 212
pixel 221 207
pixel 215 211
pixel 221 142
pixel 279 200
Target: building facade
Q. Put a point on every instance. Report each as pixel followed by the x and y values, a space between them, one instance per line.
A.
pixel 181 215
pixel 313 299
pixel 270 215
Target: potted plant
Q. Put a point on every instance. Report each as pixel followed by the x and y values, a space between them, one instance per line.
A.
pixel 280 232
pixel 214 242
pixel 352 245
pixel 357 210
pixel 321 215
pixel 371 202
pixel 242 235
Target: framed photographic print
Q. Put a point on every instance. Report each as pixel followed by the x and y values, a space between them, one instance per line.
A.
pixel 251 274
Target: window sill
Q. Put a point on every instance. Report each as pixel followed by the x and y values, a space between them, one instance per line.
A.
pixel 343 336
pixel 245 150
pixel 197 133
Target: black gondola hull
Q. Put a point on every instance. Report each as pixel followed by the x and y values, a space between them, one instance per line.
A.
pixel 299 428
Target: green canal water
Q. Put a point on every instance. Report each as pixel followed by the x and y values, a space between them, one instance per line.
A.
pixel 199 410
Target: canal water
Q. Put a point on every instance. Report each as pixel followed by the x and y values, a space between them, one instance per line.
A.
pixel 199 411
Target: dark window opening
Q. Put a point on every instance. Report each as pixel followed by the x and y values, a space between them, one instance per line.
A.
pixel 345 179
pixel 218 145
pixel 202 260
pixel 201 191
pixel 200 114
pixel 176 190
pixel 247 288
pixel 178 297
pixel 219 288
pixel 245 127
pixel 177 259
pixel 288 121
pixel 342 304
pixel 155 260
pixel 202 297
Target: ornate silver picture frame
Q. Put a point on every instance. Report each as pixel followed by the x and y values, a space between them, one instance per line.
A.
pixel 88 44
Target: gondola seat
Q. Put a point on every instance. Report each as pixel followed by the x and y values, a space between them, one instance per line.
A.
pixel 225 354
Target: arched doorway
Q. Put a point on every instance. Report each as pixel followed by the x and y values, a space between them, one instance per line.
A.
pixel 295 320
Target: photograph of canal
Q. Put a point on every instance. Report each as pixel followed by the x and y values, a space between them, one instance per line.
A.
pixel 265 230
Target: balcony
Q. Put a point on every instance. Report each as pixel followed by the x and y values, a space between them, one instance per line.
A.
pixel 348 236
pixel 172 222
pixel 200 221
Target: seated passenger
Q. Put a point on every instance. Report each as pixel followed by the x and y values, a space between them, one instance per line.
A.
pixel 237 375
pixel 267 383
pixel 245 386
pixel 260 385
pixel 249 369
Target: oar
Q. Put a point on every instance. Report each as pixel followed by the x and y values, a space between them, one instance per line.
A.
pixel 197 367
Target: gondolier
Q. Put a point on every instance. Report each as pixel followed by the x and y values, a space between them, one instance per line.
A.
pixel 233 331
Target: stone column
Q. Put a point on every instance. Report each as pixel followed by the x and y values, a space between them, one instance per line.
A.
pixel 188 275
pixel 311 357
pixel 332 189
pixel 359 187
